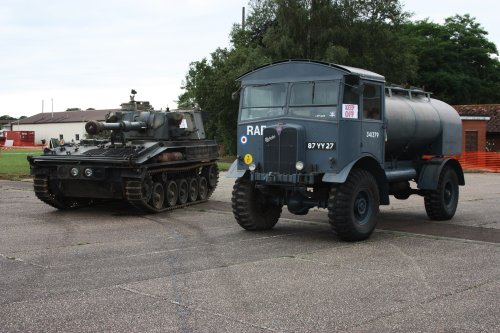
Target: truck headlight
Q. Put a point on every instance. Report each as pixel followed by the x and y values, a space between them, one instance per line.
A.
pixel 74 172
pixel 88 172
pixel 299 165
pixel 252 167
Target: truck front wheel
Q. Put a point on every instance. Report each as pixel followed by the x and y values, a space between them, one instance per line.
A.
pixel 353 206
pixel 441 204
pixel 251 208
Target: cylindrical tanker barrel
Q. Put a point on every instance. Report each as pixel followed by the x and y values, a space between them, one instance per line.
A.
pixel 421 125
pixel 94 127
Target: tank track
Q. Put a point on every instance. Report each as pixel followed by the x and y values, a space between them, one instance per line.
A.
pixel 43 193
pixel 134 189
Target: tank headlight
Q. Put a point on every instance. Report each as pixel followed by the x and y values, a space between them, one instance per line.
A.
pixel 252 167
pixel 74 172
pixel 88 172
pixel 299 165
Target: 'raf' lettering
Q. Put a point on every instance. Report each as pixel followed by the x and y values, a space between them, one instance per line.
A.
pixel 255 130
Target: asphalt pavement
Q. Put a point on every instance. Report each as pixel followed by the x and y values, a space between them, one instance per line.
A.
pixel 108 268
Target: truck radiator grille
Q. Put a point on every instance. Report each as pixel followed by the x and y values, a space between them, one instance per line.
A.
pixel 280 151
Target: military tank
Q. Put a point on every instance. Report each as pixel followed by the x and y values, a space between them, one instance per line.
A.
pixel 155 160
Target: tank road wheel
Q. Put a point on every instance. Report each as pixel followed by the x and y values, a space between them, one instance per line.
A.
pixel 193 189
pixel 157 196
pixel 251 209
pixel 183 189
pixel 171 193
pixel 147 189
pixel 211 173
pixel 353 206
pixel 202 188
pixel 441 204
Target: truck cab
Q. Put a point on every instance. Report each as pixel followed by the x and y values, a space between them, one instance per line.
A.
pixel 312 134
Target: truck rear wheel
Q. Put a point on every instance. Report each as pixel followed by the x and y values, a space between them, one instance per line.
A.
pixel 251 208
pixel 441 204
pixel 353 206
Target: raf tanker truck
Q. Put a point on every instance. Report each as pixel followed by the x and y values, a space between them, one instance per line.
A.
pixel 313 134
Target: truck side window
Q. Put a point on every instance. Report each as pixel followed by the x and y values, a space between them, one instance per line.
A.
pixel 371 102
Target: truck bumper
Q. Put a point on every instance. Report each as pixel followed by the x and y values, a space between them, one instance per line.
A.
pixel 277 178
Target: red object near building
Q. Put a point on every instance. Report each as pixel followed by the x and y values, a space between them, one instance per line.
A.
pixel 19 138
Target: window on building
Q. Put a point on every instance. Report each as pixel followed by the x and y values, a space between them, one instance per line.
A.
pixel 61 137
pixel 77 137
pixel 471 141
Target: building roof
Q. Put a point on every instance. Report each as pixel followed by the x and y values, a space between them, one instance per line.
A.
pixel 482 110
pixel 66 117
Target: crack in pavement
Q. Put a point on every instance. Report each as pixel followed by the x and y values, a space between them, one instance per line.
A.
pixel 198 309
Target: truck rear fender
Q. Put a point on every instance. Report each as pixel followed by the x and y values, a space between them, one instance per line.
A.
pixel 428 177
pixel 369 164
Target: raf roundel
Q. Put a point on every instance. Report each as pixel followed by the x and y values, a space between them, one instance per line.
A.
pixel 243 139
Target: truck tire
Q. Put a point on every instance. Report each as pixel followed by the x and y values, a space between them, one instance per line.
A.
pixel 251 208
pixel 353 206
pixel 441 204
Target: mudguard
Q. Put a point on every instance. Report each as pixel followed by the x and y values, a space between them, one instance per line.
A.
pixel 429 174
pixel 233 171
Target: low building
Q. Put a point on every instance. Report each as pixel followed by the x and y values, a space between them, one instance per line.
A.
pixel 480 127
pixel 68 126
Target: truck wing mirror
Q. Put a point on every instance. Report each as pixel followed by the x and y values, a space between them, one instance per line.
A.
pixel 235 95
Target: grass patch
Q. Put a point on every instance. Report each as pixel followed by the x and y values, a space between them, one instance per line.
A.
pixel 223 166
pixel 225 162
pixel 14 165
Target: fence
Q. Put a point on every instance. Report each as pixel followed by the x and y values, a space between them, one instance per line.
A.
pixel 481 161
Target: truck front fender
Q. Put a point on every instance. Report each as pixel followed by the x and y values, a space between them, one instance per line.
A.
pixel 368 163
pixel 233 171
pixel 340 177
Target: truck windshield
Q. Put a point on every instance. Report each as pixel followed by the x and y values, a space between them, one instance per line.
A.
pixel 263 101
pixel 314 99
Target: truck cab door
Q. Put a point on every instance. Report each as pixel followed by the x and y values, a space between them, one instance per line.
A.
pixel 372 128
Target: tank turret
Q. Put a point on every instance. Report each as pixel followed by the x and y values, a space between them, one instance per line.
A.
pixel 138 119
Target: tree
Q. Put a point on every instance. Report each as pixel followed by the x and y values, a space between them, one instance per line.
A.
pixel 456 60
pixel 7 117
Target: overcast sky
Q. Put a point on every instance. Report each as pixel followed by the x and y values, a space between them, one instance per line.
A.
pixel 91 53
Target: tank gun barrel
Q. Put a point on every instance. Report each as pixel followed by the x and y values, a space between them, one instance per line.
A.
pixel 95 127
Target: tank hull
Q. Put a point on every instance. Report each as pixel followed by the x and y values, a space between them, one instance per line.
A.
pixel 130 173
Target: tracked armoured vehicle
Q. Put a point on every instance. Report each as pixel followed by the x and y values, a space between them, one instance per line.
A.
pixel 313 134
pixel 155 160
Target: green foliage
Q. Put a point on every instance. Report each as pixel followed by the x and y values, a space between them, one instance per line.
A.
pixel 453 60
pixel 456 60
